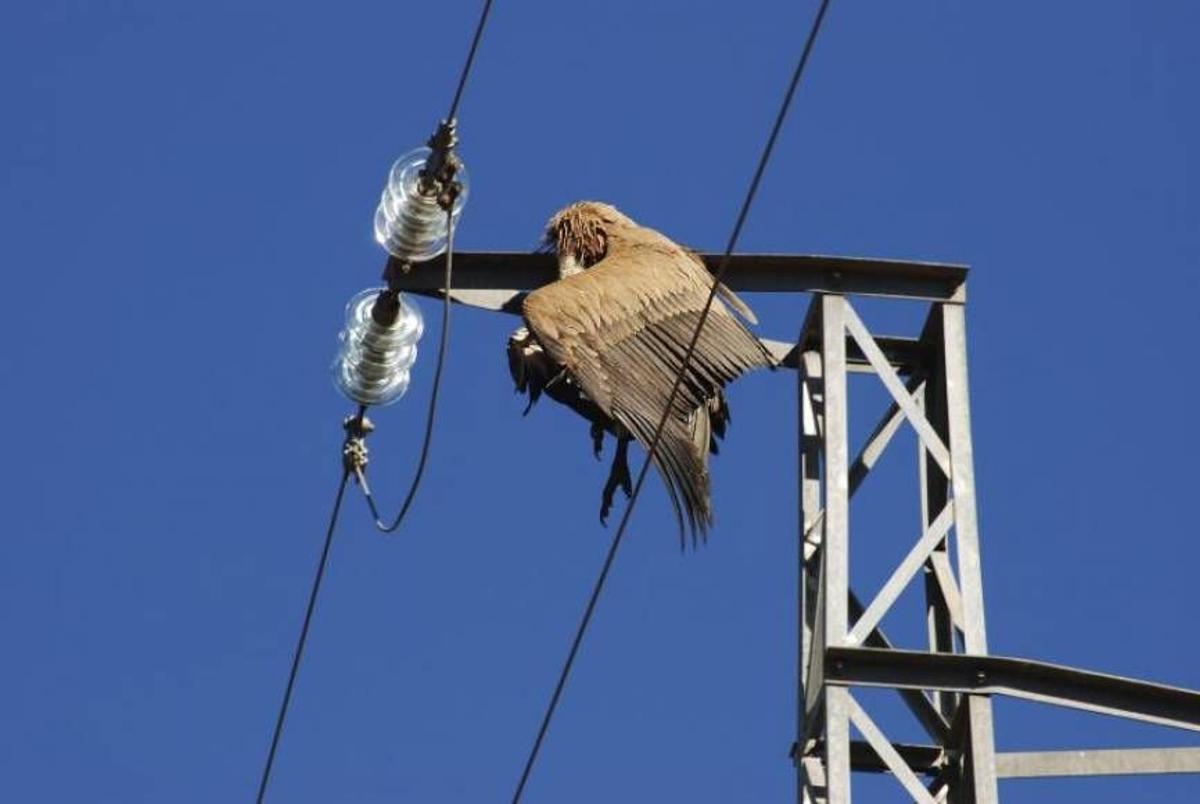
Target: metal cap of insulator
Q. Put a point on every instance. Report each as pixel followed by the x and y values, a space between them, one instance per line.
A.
pixel 409 222
pixel 372 366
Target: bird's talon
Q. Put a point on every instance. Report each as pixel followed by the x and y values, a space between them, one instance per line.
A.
pixel 597 433
pixel 605 508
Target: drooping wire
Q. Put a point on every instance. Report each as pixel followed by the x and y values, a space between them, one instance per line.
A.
pixel 462 79
pixel 312 603
pixel 687 358
pixel 430 417
pixel 445 335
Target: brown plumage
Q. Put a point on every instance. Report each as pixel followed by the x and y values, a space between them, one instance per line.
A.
pixel 608 339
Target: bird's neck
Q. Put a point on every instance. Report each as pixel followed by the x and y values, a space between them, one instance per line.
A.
pixel 568 266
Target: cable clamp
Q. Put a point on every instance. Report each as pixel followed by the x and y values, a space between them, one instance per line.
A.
pixel 354 448
pixel 438 176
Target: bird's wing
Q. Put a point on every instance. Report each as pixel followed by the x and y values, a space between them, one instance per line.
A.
pixel 622 329
pixel 731 298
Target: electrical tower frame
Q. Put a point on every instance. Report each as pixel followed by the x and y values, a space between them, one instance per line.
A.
pixel 927 381
pixel 949 682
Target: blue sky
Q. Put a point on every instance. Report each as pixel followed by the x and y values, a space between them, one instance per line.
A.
pixel 186 193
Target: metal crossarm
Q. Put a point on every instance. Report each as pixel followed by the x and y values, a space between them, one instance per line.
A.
pixel 498 280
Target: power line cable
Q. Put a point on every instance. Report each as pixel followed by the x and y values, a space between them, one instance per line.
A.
pixel 687 358
pixel 312 603
pixel 470 61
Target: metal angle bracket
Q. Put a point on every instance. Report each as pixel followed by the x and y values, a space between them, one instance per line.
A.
pixel 1019 678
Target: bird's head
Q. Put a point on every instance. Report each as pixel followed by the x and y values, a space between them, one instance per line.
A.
pixel 579 234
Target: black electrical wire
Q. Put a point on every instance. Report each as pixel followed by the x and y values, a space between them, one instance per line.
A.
pixel 462 79
pixel 433 399
pixel 312 603
pixel 687 358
